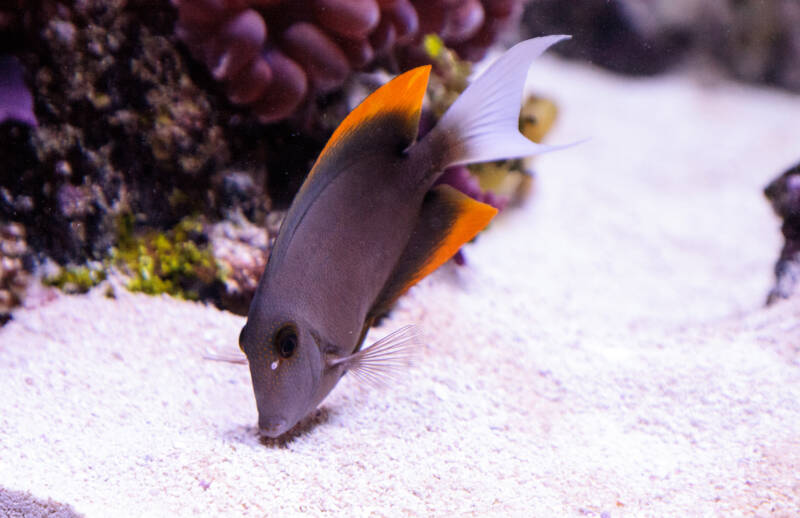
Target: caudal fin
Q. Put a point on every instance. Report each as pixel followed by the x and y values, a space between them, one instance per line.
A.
pixel 483 123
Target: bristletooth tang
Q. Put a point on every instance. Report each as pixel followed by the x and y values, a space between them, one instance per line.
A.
pixel 366 225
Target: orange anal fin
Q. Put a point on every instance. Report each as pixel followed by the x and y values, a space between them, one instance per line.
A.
pixel 449 218
pixel 470 217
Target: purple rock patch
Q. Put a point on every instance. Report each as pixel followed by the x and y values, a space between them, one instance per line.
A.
pixel 16 101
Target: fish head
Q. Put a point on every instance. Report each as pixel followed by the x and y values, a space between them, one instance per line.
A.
pixel 286 366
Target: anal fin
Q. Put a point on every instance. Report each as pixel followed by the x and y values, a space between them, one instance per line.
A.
pixel 448 219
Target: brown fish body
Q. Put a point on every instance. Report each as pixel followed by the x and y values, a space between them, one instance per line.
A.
pixel 364 227
pixel 345 253
pixel 348 250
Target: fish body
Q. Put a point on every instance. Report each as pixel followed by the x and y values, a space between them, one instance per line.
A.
pixel 365 226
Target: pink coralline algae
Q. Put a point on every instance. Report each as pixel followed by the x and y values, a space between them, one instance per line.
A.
pixel 274 55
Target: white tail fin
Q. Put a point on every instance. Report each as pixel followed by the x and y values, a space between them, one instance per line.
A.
pixel 483 123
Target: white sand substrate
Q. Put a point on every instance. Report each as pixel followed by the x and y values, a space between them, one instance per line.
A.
pixel 605 352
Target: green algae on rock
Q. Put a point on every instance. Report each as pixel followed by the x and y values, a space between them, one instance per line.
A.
pixel 219 263
pixel 178 262
pixel 77 279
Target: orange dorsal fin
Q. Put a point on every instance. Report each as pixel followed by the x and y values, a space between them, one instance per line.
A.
pixel 400 98
pixel 449 218
pixel 385 123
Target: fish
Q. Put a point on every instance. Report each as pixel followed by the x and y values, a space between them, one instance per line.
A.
pixel 366 225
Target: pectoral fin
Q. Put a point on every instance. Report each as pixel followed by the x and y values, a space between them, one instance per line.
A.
pixel 448 219
pixel 386 359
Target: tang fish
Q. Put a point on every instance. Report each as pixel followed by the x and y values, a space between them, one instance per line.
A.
pixel 366 225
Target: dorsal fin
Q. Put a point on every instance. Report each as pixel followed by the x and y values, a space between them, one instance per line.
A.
pixel 448 219
pixel 387 119
pixel 401 98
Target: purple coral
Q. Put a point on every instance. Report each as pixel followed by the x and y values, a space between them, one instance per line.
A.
pixel 275 54
pixel 467 26
pixel 16 101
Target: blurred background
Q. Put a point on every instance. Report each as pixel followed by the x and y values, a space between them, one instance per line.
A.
pixel 755 41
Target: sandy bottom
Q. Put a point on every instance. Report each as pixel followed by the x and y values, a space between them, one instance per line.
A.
pixel 605 352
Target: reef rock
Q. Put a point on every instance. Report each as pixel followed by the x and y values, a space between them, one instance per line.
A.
pixel 784 195
pixel 14 275
pixel 123 130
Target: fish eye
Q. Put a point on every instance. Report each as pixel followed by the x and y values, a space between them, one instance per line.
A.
pixel 286 341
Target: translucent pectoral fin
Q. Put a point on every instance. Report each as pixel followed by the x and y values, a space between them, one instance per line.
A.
pixel 382 362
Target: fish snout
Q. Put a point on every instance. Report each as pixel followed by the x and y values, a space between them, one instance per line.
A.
pixel 272 426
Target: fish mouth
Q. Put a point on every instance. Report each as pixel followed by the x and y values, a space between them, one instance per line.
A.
pixel 272 426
